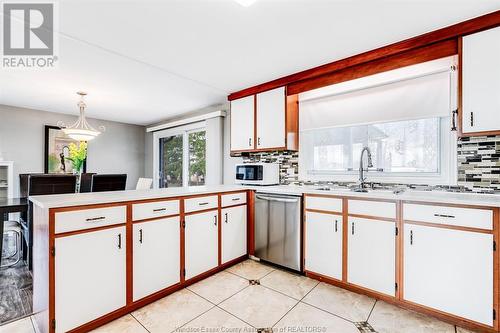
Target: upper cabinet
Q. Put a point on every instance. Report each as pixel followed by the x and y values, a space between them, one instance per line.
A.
pixel 481 83
pixel 266 121
pixel 242 123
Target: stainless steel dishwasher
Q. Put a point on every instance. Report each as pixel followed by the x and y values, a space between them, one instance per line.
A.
pixel 278 229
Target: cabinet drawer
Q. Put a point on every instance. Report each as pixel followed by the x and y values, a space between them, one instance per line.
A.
pixel 155 209
pixel 201 203
pixel 324 203
pixel 89 218
pixel 465 217
pixel 234 199
pixel 372 208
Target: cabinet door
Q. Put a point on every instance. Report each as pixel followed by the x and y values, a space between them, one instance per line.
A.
pixel 156 253
pixel 372 254
pixel 449 270
pixel 323 253
pixel 90 276
pixel 271 119
pixel 242 123
pixel 481 81
pixel 201 243
pixel 234 233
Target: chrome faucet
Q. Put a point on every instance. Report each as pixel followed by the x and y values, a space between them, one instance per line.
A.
pixel 362 177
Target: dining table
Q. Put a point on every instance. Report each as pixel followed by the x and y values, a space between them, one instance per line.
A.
pixel 9 206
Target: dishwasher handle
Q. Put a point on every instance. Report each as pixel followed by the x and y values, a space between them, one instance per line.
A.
pixel 276 199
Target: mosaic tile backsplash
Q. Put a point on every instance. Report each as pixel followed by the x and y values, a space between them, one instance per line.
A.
pixel 478 164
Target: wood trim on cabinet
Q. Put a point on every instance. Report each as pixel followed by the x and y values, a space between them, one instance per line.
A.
pixel 251 223
pixel 345 238
pixel 371 217
pixel 85 231
pixel 449 226
pixel 426 53
pixel 451 32
pixel 129 256
pixel 292 121
pixel 320 211
pixel 182 228
pixel 155 218
pixel 219 231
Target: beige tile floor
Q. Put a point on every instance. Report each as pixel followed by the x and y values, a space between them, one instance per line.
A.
pixel 286 302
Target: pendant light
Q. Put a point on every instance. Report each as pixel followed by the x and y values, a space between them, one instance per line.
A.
pixel 81 130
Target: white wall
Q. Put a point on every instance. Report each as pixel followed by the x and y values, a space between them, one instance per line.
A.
pixel 120 149
pixel 229 162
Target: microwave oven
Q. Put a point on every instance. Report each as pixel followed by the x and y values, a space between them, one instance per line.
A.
pixel 258 174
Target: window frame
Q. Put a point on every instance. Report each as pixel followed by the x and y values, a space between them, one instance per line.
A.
pixel 184 130
pixel 446 174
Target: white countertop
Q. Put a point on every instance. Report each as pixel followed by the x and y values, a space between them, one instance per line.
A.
pixel 488 200
pixel 81 199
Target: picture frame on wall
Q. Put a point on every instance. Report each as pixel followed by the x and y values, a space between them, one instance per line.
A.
pixel 57 151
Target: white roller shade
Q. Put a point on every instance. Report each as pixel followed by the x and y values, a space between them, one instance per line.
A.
pixel 391 98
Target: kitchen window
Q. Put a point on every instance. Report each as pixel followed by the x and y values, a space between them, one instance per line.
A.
pixel 403 116
pixel 180 156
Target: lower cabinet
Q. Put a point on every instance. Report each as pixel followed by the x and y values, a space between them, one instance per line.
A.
pixel 156 256
pixel 371 254
pixel 234 232
pixel 323 244
pixel 201 243
pixel 90 276
pixel 449 270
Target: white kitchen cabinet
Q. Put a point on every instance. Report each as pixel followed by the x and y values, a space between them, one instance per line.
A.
pixel 201 243
pixel 449 270
pixel 271 110
pixel 90 276
pixel 372 254
pixel 156 250
pixel 323 244
pixel 234 232
pixel 481 81
pixel 242 123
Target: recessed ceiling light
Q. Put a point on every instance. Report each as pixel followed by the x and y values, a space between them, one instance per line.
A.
pixel 245 3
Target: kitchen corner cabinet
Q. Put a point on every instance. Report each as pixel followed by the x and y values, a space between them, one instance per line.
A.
pixel 480 59
pixel 265 121
pixel 234 232
pixel 323 244
pixel 90 276
pixel 371 254
pixel 450 270
pixel 156 249
pixel 201 236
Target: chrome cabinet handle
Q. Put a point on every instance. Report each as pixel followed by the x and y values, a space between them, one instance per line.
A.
pixel 258 141
pixel 95 219
pixel 203 203
pixel 225 217
pixel 471 119
pixel 159 210
pixel 335 225
pixel 250 142
pixel 215 219
pixel 235 199
pixel 276 199
pixel 411 237
pixel 140 236
pixel 352 228
pixel 443 215
pixel 119 241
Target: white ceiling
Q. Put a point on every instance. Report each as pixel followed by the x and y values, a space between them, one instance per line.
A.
pixel 142 61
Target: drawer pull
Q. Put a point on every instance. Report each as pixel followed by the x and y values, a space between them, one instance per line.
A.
pixel 447 216
pixel 159 210
pixel 94 219
pixel 235 199
pixel 203 203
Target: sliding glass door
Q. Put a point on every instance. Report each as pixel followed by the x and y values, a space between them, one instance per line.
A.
pixel 180 156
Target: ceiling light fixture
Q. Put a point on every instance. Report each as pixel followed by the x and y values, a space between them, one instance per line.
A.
pixel 81 130
pixel 246 3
